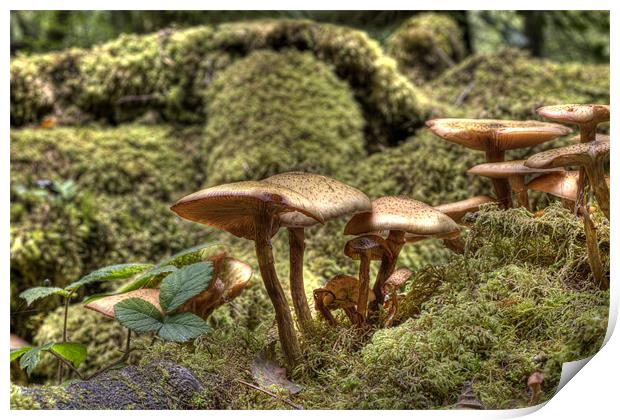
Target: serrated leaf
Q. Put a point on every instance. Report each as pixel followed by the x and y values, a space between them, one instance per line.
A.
pixel 30 359
pixel 35 293
pixel 112 272
pixel 194 254
pixel 138 315
pixel 75 353
pixel 183 327
pixel 148 279
pixel 16 354
pixel 185 283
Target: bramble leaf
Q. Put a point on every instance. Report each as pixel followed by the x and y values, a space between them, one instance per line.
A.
pixel 35 293
pixel 148 278
pixel 112 272
pixel 75 353
pixel 183 284
pixel 183 327
pixel 138 315
pixel 194 254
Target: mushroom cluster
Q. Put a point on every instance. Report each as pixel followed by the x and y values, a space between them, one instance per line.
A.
pixel 566 172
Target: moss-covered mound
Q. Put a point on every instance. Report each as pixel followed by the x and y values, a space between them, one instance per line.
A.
pixel 426 45
pixel 509 84
pixel 169 71
pixel 276 112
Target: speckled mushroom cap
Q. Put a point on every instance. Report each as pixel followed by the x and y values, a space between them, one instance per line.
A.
pixel 574 155
pixel 372 246
pixel 560 184
pixel 328 197
pixel 397 279
pixel 344 292
pixel 233 207
pixel 479 134
pixel 458 209
pixel 575 113
pixel 17 342
pixel 106 304
pixel 599 137
pixel 506 169
pixel 404 214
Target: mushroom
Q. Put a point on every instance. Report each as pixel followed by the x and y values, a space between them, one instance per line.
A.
pixel 494 137
pixel 365 249
pixel 587 117
pixel 332 199
pixel 251 210
pixel 561 184
pixel 534 383
pixel 390 290
pixel 341 292
pixel 230 278
pixel 599 136
pixel 514 171
pixel 400 215
pixel 589 156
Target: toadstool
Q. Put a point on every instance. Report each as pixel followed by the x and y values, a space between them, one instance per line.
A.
pixel 390 290
pixel 340 292
pixel 251 210
pixel 330 198
pixel 494 137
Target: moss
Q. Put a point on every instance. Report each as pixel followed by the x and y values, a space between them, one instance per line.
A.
pixel 168 72
pixel 509 84
pixel 426 45
pixel 19 401
pixel 275 112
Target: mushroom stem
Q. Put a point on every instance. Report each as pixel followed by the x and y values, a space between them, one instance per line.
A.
pixel 264 255
pixel 362 298
pixel 297 246
pixel 395 241
pixel 594 256
pixel 501 186
pixel 587 133
pixel 517 184
pixel 596 179
pixel 320 306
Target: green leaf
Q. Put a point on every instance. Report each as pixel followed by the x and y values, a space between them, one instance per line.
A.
pixel 194 254
pixel 112 272
pixel 183 327
pixel 16 354
pixel 30 359
pixel 138 315
pixel 148 279
pixel 184 284
pixel 35 293
pixel 75 353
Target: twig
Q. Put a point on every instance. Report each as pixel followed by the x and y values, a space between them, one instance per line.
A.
pixel 271 394
pixel 66 363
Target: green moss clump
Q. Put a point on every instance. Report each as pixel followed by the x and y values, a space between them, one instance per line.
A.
pixel 19 401
pixel 275 112
pixel 509 84
pixel 426 45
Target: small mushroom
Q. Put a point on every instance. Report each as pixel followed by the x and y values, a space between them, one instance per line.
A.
pixel 534 383
pixel 586 117
pixel 251 210
pixel 468 399
pixel 330 198
pixel 561 184
pixel 365 249
pixel 390 290
pixel 341 292
pixel 230 278
pixel 105 305
pixel 590 156
pixel 458 209
pixel 514 171
pixel 400 215
pixel 494 137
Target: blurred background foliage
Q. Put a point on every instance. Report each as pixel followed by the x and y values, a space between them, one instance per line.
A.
pixel 560 35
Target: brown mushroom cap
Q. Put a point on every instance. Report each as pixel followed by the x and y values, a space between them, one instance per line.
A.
pixel 106 304
pixel 506 169
pixel 328 197
pixel 480 134
pixel 560 184
pixel 344 292
pixel 402 214
pixel 574 155
pixel 397 279
pixel 373 246
pixel 458 209
pixel 575 113
pixel 234 207
pixel 17 342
